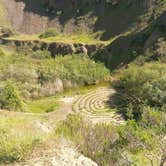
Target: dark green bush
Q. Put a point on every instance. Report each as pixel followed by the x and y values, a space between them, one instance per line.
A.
pixel 144 85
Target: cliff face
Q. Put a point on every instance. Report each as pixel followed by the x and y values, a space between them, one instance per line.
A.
pixel 24 19
pixel 34 16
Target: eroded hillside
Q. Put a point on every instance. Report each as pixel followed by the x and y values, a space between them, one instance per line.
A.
pixel 35 16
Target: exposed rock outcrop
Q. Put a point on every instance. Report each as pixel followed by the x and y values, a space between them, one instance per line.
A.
pixel 56 48
pixel 60 155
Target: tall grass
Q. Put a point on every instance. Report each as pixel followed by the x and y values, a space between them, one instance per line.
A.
pixel 16 139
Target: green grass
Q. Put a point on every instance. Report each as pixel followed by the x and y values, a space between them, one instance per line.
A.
pixel 43 105
pixel 64 38
pixel 141 159
pixel 17 138
pixel 49 104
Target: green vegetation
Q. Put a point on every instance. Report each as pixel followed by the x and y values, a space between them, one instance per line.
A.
pixel 78 69
pixel 43 105
pixel 37 75
pixel 10 98
pixel 143 86
pixel 53 36
pixel 49 33
pixel 110 145
pixel 16 139
pixel 133 33
pixel 141 99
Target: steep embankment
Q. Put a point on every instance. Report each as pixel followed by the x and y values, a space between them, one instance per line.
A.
pixel 34 16
pixel 55 48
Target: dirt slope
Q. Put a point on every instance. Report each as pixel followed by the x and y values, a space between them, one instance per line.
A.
pixel 24 21
pixel 33 16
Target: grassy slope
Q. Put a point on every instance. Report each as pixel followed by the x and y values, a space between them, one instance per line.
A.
pixel 65 38
pixel 43 105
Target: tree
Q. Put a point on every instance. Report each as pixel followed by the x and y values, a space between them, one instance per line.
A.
pixel 10 98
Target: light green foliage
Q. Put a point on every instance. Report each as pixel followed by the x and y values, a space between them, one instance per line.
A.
pixel 16 140
pixel 78 69
pixel 43 105
pixel 41 54
pixel 93 141
pixel 107 144
pixel 10 99
pixel 34 71
pixel 49 33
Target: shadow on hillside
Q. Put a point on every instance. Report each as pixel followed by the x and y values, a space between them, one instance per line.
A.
pixel 126 49
pixel 111 19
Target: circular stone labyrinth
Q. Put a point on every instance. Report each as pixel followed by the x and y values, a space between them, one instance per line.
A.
pixel 95 105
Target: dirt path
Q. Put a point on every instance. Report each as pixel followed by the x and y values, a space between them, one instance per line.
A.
pixel 61 114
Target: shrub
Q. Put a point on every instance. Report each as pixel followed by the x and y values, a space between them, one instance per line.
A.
pixel 144 85
pixel 14 148
pixel 153 118
pixel 136 138
pixel 93 141
pixel 159 52
pixel 2 54
pixel 105 143
pixel 77 69
pixel 49 33
pixel 34 72
pixel 10 98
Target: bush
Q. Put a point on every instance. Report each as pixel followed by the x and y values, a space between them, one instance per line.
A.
pixel 77 69
pixel 93 141
pixel 159 52
pixel 153 118
pixel 104 143
pixel 144 85
pixel 49 33
pixel 35 75
pixel 14 148
pixel 10 98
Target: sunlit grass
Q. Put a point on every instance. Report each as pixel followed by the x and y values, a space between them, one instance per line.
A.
pixel 43 105
pixel 64 38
